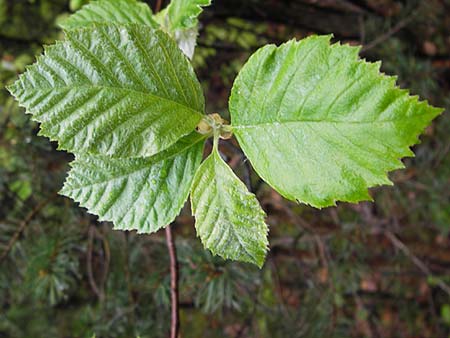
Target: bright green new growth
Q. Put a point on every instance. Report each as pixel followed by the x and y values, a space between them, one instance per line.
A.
pixel 318 124
pixel 180 19
pixel 183 14
pixel 228 218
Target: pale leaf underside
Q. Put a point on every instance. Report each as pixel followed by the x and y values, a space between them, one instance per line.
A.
pixel 228 218
pixel 123 91
pixel 319 125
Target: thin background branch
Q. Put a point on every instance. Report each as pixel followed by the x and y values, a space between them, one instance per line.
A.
pixel 175 323
pixel 23 225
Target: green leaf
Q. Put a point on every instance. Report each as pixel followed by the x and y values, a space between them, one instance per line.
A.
pixel 180 19
pixel 228 218
pixel 142 194
pixel 319 125
pixel 183 14
pixel 123 91
pixel 111 11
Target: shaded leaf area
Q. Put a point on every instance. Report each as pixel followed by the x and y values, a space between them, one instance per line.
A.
pixel 337 272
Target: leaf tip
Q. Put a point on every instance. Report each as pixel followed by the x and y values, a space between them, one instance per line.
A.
pixel 65 191
pixel 260 264
pixel 12 89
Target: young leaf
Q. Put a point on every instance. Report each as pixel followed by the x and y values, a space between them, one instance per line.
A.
pixel 180 20
pixel 319 125
pixel 126 12
pixel 111 11
pixel 123 91
pixel 228 218
pixel 183 14
pixel 142 194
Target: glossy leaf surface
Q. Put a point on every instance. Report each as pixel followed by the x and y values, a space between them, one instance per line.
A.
pixel 123 91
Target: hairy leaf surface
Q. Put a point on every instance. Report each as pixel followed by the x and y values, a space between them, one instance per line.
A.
pixel 111 11
pixel 320 125
pixel 123 91
pixel 142 194
pixel 228 218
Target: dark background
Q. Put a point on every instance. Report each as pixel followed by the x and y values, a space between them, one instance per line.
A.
pixel 377 269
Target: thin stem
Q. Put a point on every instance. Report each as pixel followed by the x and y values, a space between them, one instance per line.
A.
pixel 158 6
pixel 216 140
pixel 127 272
pixel 175 321
pixel 23 225
pixel 98 288
pixel 394 30
pixel 90 273
pixel 417 262
pixel 175 315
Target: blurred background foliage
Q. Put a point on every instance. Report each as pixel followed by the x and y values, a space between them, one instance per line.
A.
pixel 377 269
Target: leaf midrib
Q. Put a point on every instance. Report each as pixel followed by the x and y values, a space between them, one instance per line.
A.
pixel 219 162
pixel 256 125
pixel 137 92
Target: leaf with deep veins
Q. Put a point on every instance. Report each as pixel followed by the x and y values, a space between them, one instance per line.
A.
pixel 111 11
pixel 123 91
pixel 143 194
pixel 319 125
pixel 228 218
